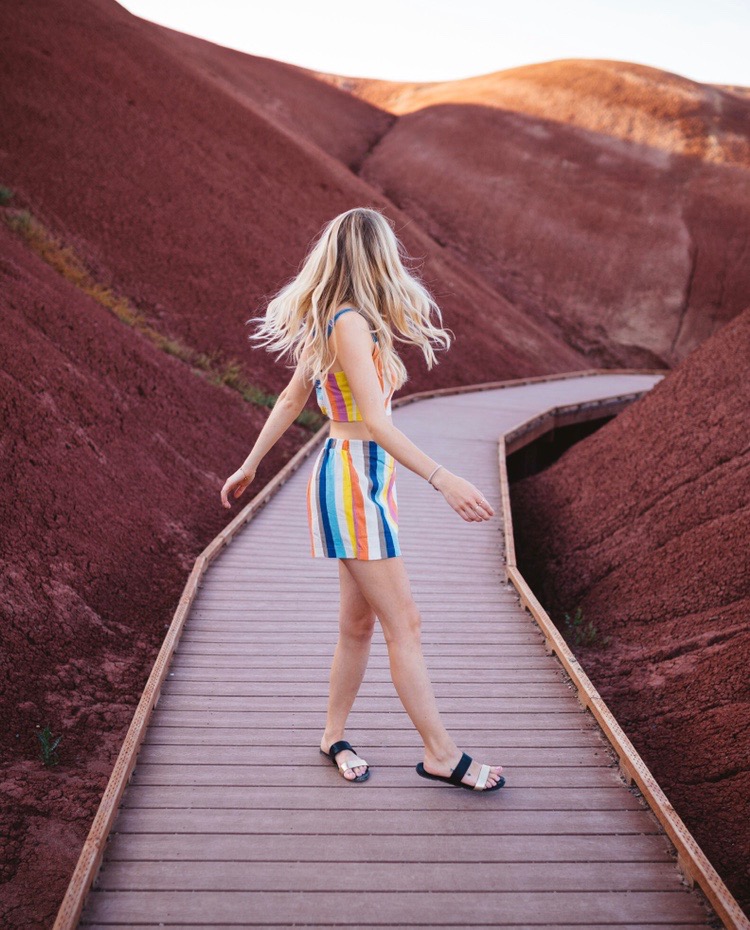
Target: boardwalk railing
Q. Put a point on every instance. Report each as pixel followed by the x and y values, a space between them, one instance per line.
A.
pixel 92 852
pixel 691 859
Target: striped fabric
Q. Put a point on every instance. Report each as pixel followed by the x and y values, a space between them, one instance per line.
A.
pixel 334 395
pixel 352 506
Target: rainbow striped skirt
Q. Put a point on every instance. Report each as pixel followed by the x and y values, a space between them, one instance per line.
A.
pixel 352 507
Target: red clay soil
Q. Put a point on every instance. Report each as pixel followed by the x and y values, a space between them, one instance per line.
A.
pixel 191 179
pixel 644 525
pixel 113 457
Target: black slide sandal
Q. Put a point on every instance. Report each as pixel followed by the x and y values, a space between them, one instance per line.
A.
pixel 458 773
pixel 350 763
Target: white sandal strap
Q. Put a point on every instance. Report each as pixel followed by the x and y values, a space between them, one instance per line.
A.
pixel 481 781
pixel 352 763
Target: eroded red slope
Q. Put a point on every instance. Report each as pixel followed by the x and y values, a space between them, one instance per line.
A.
pixel 193 179
pixel 645 526
pixel 613 197
pixel 113 457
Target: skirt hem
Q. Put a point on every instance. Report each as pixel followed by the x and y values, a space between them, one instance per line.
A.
pixel 360 556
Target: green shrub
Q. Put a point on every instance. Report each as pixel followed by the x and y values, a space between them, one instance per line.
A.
pixel 578 633
pixel 48 747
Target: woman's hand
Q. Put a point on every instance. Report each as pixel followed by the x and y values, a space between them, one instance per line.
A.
pixel 463 497
pixel 240 480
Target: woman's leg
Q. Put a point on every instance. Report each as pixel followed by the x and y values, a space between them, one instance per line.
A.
pixel 356 626
pixel 385 585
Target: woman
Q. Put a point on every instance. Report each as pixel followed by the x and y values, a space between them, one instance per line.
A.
pixel 339 317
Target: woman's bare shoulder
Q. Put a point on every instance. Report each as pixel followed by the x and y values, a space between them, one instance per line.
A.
pixel 348 307
pixel 361 319
pixel 352 328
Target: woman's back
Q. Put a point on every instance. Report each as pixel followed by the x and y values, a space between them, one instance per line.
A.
pixel 334 394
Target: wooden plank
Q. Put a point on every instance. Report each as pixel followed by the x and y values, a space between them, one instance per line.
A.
pixel 475 818
pixel 306 738
pixel 277 756
pixel 445 621
pixel 329 602
pixel 334 877
pixel 317 848
pixel 455 721
pixel 246 632
pixel 578 926
pixel 435 908
pixel 325 649
pixel 285 620
pixel 329 797
pixel 492 705
pixel 169 774
pixel 368 692
pixel 263 587
pixel 373 676
pixel 467 663
pixel 262 592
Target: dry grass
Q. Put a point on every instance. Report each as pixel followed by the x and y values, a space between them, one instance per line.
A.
pixel 226 373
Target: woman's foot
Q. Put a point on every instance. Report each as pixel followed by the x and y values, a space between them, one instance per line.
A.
pixel 350 774
pixel 444 766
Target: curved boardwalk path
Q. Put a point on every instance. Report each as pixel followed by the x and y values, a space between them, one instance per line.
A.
pixel 233 818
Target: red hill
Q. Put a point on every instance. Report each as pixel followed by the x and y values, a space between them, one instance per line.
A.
pixel 645 526
pixel 611 197
pixel 193 178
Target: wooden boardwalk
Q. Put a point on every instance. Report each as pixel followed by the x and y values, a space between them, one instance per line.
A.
pixel 233 818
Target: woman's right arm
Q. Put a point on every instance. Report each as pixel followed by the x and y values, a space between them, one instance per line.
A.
pixel 289 405
pixel 354 351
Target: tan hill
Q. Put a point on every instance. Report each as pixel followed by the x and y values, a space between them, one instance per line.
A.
pixel 611 197
pixel 631 102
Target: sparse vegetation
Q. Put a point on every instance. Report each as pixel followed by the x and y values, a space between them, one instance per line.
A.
pixel 48 747
pixel 580 633
pixel 210 365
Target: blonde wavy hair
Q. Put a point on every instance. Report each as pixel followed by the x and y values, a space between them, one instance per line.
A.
pixel 357 261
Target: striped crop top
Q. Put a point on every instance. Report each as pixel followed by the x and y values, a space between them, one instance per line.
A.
pixel 334 395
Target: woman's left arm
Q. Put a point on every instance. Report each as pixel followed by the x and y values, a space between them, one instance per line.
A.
pixel 289 405
pixel 354 351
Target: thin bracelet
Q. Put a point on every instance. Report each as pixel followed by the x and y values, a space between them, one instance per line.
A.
pixel 242 471
pixel 429 480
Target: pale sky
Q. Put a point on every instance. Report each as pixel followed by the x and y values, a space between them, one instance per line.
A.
pixel 433 40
